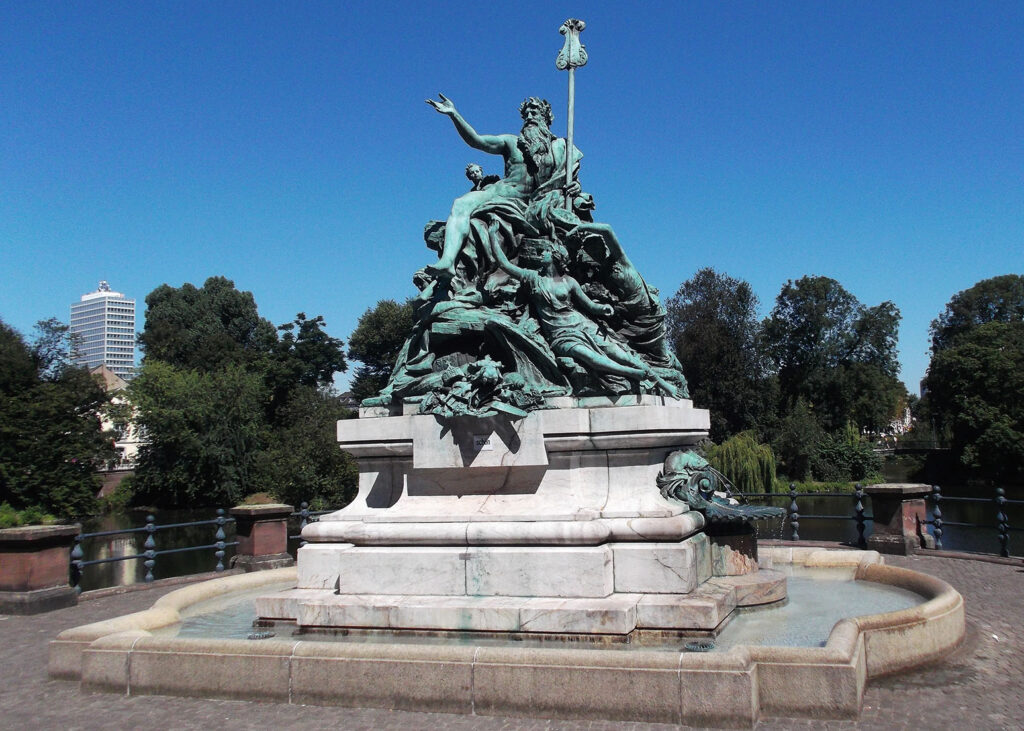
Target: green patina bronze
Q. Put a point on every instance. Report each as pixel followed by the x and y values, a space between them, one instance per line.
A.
pixel 529 297
pixel 688 478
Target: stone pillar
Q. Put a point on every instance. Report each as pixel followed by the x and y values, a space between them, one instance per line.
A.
pixel 262 532
pixel 35 562
pixel 899 511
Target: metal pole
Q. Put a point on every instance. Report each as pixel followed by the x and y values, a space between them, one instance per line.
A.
pixel 572 56
pixel 568 140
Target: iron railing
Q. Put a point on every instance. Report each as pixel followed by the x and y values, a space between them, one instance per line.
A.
pixel 794 516
pixel 1001 523
pixel 304 516
pixel 150 552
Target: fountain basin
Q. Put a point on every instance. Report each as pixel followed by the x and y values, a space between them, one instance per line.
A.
pixel 731 688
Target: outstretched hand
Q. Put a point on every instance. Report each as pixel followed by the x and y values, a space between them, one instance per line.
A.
pixel 445 106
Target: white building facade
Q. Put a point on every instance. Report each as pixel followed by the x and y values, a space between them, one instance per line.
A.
pixel 103 325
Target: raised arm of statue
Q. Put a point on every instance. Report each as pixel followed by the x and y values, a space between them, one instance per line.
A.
pixel 615 250
pixel 493 144
pixel 504 263
pixel 594 309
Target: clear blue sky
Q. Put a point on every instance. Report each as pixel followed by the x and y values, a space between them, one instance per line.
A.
pixel 287 145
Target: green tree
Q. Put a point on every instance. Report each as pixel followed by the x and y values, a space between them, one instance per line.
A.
pixel 713 326
pixel 229 408
pixel 376 343
pixel 205 328
pixel 51 440
pixel 795 441
pixel 975 389
pixel 305 356
pixel 303 462
pixel 999 299
pixel 51 348
pixel 844 456
pixel 204 433
pixel 835 354
pixel 18 371
pixel 748 464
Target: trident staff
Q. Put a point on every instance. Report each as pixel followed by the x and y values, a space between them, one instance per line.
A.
pixel 572 56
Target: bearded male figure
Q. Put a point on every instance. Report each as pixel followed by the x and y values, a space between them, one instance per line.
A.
pixel 535 163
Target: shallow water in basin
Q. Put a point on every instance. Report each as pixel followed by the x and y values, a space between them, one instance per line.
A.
pixel 817 600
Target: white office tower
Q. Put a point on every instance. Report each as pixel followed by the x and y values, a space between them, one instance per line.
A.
pixel 103 324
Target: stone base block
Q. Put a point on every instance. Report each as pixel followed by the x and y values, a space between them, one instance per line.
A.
pixel 262 563
pixel 659 568
pixel 608 615
pixel 492 571
pixel 568 464
pixel 38 601
pixel 733 548
pixel 894 545
pixel 537 571
pixel 617 614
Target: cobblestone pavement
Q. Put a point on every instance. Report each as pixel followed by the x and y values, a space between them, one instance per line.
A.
pixel 980 687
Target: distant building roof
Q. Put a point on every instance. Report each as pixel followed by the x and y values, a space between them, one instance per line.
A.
pixel 111 381
pixel 103 290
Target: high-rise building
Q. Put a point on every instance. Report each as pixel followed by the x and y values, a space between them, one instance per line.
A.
pixel 103 325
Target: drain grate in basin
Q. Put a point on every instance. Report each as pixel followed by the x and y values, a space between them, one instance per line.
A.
pixel 699 646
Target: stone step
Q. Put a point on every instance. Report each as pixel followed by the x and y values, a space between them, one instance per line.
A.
pixel 617 614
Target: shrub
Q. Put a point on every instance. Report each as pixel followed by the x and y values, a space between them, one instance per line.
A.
pixel 845 456
pixel 32 515
pixel 118 501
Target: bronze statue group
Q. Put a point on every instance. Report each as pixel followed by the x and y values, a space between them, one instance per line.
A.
pixel 529 297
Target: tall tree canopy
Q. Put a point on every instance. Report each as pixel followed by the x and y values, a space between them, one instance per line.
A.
pixel 974 389
pixel 51 441
pixel 304 357
pixel 231 408
pixel 836 354
pixel 714 328
pixel 999 299
pixel 204 431
pixel 205 328
pixel 376 343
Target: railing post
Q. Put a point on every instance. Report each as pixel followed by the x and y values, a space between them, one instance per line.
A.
pixel 858 513
pixel 219 538
pixel 794 515
pixel 77 554
pixel 937 516
pixel 150 546
pixel 1002 523
pixel 303 520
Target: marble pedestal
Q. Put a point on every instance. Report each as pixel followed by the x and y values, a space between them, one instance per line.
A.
pixel 552 523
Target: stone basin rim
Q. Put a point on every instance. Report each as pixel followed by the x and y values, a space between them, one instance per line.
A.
pixel 734 688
